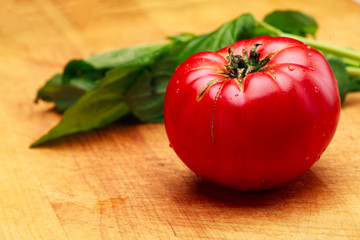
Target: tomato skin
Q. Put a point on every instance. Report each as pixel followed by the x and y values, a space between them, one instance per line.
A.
pixel 261 136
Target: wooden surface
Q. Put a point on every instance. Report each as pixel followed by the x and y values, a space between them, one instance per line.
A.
pixel 124 182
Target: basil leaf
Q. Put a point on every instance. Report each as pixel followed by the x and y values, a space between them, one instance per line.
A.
pixel 293 22
pixel 81 75
pixel 354 84
pixel 98 107
pixel 182 37
pixel 94 68
pixel 339 68
pixel 139 55
pixel 146 98
pixel 64 95
pixel 227 34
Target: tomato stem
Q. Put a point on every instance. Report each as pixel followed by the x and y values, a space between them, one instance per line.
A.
pixel 239 66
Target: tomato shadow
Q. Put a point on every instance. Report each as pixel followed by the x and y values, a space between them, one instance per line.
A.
pixel 308 186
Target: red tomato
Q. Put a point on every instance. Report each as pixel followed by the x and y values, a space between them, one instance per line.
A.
pixel 254 115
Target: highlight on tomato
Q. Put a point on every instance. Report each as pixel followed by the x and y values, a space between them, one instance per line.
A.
pixel 254 115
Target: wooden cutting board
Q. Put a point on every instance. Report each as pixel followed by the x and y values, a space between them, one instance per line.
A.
pixel 123 181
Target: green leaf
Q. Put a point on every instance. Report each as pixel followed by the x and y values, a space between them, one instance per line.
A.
pixel 339 68
pixel 98 107
pixel 146 98
pixel 182 37
pixel 81 75
pixel 227 34
pixel 293 22
pixel 139 55
pixel 354 83
pixel 64 95
pixel 94 68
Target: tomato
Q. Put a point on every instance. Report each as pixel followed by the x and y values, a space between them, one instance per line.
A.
pixel 254 115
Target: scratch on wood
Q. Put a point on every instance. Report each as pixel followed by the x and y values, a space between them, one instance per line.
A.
pixel 172 228
pixel 57 216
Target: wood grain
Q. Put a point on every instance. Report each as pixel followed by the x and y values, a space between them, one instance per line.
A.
pixel 123 181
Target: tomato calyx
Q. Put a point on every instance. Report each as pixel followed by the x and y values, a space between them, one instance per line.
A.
pixel 239 66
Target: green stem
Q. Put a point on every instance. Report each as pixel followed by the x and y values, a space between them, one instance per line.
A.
pixel 344 52
pixel 351 62
pixel 353 71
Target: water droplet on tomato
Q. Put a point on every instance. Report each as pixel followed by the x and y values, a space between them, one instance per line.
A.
pixel 177 90
pixel 311 68
pixel 309 54
pixel 308 47
pixel 291 67
pixel 307 158
pixel 316 89
pixel 176 68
